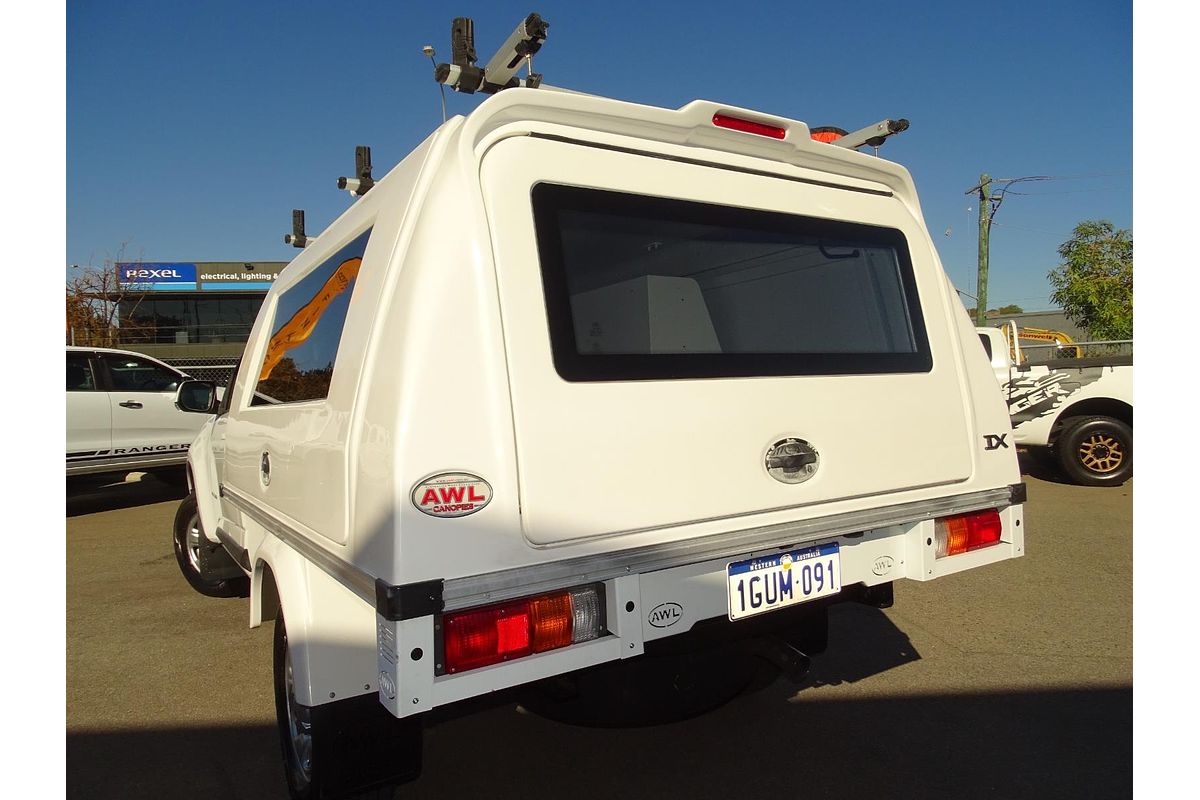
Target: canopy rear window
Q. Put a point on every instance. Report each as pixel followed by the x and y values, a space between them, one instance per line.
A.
pixel 644 288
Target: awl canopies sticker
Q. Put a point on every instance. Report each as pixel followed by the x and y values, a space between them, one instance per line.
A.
pixel 451 494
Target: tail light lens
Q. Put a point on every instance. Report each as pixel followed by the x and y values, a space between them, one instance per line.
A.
pixel 966 532
pixel 552 622
pixel 481 636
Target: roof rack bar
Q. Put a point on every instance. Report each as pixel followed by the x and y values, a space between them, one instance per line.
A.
pixel 462 75
pixel 872 134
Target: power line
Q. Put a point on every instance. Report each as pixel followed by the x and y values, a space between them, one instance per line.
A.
pixel 1083 176
pixel 1032 230
pixel 1074 191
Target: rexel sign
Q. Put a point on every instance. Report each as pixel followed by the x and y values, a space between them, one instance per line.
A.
pixel 159 277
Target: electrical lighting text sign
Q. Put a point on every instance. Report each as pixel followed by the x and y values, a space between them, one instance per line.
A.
pixel 245 277
pixel 191 276
pixel 158 277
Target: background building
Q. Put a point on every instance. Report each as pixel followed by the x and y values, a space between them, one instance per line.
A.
pixel 191 309
pixel 194 315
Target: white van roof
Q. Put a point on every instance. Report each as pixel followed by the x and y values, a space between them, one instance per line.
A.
pixel 550 112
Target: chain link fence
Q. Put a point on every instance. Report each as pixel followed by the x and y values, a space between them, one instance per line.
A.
pixel 131 334
pixel 218 369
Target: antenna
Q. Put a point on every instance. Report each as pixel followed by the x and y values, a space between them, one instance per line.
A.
pixel 297 238
pixel 429 51
pixel 462 74
pixel 362 182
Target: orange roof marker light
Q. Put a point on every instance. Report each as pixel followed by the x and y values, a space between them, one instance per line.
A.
pixel 827 133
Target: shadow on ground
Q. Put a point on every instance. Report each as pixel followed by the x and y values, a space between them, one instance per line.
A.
pixel 89 495
pixel 1049 744
pixel 1038 462
pixel 777 739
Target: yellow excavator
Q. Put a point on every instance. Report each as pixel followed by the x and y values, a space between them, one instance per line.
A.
pixel 1065 349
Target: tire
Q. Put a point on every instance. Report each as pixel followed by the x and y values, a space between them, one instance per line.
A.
pixel 294 722
pixel 1096 451
pixel 352 749
pixel 188 539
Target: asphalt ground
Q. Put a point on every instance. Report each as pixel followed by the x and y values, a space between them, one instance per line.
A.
pixel 1011 681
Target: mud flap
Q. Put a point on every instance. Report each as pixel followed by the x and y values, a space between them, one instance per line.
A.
pixel 358 745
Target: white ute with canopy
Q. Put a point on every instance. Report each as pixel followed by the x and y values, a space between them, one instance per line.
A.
pixel 577 379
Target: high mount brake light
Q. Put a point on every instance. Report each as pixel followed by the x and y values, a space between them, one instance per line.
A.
pixel 966 532
pixel 478 637
pixel 746 126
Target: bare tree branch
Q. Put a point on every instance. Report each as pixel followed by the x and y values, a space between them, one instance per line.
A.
pixel 94 297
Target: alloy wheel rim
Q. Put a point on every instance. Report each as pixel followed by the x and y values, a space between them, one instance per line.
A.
pixel 1102 453
pixel 193 542
pixel 299 727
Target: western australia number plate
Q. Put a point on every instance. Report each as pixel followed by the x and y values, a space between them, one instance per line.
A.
pixel 766 583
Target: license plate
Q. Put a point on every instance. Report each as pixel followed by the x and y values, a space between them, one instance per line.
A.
pixel 758 585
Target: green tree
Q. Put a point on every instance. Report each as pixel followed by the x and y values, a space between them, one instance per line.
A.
pixel 1094 283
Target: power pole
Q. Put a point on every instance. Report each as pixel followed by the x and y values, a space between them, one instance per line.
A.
pixel 985 225
pixel 988 206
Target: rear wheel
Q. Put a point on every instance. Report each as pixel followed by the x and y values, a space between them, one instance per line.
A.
pixel 1096 451
pixel 351 749
pixel 294 720
pixel 189 541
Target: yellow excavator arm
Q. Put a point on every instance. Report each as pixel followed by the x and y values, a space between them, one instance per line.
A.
pixel 1042 335
pixel 297 329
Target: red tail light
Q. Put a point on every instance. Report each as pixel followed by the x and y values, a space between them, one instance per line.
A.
pixel 478 638
pixel 967 532
pixel 482 636
pixel 747 126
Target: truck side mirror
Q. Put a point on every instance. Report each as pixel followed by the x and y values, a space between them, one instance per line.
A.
pixel 197 396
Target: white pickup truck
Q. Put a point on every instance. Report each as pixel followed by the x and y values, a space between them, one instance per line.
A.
pixel 577 380
pixel 122 416
pixel 1080 410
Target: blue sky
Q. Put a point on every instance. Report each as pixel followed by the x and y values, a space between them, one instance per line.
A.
pixel 194 129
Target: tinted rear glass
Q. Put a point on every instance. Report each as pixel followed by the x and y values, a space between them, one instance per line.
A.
pixel 642 288
pixel 307 331
pixel 79 373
